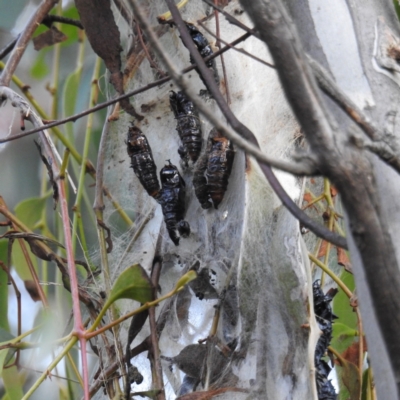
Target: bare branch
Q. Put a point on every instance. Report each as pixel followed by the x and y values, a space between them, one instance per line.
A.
pixel 23 40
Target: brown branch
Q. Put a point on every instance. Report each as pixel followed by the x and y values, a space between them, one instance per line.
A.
pixel 23 40
pixel 148 56
pixel 218 44
pixel 49 19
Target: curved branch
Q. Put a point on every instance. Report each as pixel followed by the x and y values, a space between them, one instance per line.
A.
pixel 23 40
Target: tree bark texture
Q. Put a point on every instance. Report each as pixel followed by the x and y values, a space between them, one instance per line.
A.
pixel 367 186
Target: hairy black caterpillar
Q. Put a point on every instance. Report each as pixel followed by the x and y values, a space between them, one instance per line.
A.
pixel 142 161
pixel 204 49
pixel 212 171
pixel 324 317
pixel 188 126
pixel 172 200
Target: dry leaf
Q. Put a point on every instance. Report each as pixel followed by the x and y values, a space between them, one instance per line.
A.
pixel 343 259
pixel 351 354
pixel 322 249
pixel 31 288
pixel 307 197
pixel 334 191
pixel 48 38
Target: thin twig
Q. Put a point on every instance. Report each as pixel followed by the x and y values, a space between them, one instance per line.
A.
pixel 7 49
pixel 146 52
pixel 23 40
pixel 100 106
pixel 239 50
pixel 49 19
pixel 218 44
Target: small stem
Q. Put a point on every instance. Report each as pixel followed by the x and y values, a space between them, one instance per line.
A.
pixel 338 281
pixel 64 163
pixel 56 71
pixel 166 16
pixel 91 332
pixel 360 346
pixel 54 363
pixel 32 270
pixel 337 355
pixel 75 368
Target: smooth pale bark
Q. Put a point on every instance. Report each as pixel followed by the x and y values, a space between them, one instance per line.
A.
pixel 369 191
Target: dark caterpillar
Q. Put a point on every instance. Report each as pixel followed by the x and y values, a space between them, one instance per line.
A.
pixel 142 161
pixel 172 200
pixel 204 49
pixel 324 317
pixel 188 126
pixel 212 171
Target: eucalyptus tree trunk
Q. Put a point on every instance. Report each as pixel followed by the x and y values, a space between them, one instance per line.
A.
pixel 251 246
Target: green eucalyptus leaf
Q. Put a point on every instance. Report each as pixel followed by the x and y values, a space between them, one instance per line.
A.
pixel 350 381
pixel 342 336
pixel 29 211
pixel 133 284
pixel 40 68
pixel 341 303
pixel 13 383
pixel 5 336
pixel 70 92
pixel 366 386
pixel 3 355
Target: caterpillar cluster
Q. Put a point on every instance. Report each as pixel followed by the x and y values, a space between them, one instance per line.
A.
pixel 172 193
pixel 212 169
pixel 324 317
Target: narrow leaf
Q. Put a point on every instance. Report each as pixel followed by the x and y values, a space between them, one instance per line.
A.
pixel 102 32
pixel 348 374
pixel 12 383
pixel 29 211
pixel 3 354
